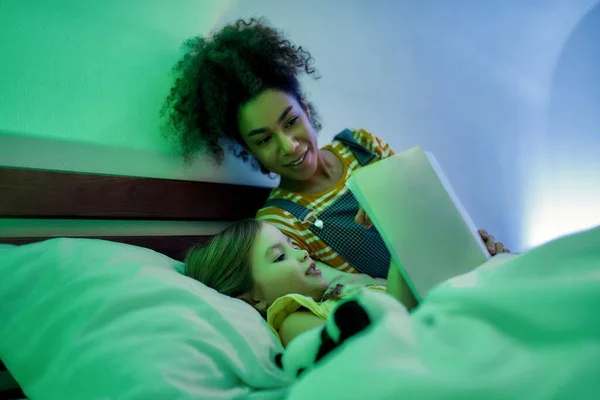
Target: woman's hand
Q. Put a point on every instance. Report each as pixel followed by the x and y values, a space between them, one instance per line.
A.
pixel 492 246
pixel 363 219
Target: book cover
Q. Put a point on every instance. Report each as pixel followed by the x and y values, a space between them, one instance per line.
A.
pixel 420 218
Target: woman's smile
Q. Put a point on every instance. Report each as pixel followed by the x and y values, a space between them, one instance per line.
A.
pixel 298 161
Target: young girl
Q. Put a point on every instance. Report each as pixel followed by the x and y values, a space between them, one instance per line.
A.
pixel 255 262
pixel 241 86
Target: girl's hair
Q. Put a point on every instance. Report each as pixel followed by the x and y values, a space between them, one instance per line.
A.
pixel 223 263
pixel 220 73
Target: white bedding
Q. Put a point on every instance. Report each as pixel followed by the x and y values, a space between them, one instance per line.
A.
pixel 91 319
pixel 521 327
pixel 87 319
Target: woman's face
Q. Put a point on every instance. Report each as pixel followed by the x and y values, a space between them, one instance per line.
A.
pixel 277 131
pixel 278 269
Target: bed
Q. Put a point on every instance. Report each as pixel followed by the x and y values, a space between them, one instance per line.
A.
pixel 166 216
pixel 94 306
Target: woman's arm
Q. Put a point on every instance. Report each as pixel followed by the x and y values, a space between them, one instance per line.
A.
pixel 297 323
pixel 397 287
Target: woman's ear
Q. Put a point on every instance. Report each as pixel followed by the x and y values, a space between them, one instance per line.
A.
pixel 305 107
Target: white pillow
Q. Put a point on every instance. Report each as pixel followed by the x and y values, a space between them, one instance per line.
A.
pixel 4 246
pixel 92 319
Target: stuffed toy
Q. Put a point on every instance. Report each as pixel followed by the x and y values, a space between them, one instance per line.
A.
pixel 352 317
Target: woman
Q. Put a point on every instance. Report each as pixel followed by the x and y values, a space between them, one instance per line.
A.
pixel 241 86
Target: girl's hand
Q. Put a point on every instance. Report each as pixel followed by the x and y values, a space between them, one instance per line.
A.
pixel 363 219
pixel 492 246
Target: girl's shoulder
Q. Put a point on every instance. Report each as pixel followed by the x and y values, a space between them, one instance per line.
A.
pixel 290 303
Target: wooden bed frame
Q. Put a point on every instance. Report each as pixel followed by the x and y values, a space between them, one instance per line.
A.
pixel 45 198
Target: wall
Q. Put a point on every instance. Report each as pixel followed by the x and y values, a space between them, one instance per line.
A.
pixel 494 89
pixel 565 192
pixel 84 82
pixel 478 84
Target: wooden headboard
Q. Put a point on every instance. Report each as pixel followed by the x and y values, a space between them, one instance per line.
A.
pixel 161 214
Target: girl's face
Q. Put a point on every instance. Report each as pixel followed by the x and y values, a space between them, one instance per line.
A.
pixel 278 269
pixel 277 132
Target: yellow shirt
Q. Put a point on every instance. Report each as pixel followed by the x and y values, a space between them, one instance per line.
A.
pixel 298 231
pixel 289 304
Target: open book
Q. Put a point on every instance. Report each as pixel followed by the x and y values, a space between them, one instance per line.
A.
pixel 421 220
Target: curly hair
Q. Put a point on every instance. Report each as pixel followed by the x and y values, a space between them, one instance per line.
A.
pixel 220 73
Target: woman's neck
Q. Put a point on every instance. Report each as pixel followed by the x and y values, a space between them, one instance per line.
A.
pixel 326 175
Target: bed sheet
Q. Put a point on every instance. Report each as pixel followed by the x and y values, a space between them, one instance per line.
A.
pixel 522 327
